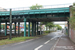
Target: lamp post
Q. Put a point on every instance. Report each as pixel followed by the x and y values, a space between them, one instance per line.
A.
pixel 10 23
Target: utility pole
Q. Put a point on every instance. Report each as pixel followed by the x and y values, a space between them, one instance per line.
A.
pixel 10 23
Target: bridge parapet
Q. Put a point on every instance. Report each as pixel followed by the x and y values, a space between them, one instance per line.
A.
pixel 40 11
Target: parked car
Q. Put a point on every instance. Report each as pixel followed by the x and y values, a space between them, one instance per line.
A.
pixel 2 31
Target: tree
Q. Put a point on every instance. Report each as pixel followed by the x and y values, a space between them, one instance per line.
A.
pixel 58 27
pixel 48 24
pixel 44 24
pixel 34 7
pixel 72 18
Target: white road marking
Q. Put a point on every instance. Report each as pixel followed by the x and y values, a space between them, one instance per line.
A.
pixel 38 47
pixel 53 38
pixel 47 42
pixel 65 47
pixel 53 47
pixel 55 44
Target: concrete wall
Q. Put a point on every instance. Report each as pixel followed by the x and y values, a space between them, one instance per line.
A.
pixel 72 34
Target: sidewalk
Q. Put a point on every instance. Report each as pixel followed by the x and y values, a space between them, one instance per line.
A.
pixel 64 43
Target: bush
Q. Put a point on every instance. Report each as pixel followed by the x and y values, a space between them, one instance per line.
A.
pixel 26 33
pixel 47 31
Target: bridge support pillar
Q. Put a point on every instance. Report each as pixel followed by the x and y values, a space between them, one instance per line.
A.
pixel 32 28
pixel 0 26
pixel 37 28
pixel 29 30
pixel 18 28
pixel 40 28
pixel 5 28
pixel 15 28
pixel 24 27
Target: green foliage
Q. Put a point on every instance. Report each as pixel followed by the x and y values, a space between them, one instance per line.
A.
pixel 73 4
pixel 72 18
pixel 72 22
pixel 14 40
pixel 58 27
pixel 48 24
pixel 34 7
pixel 44 23
pixel 13 26
pixel 47 31
pixel 1 26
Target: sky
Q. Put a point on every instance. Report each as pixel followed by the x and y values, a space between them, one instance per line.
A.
pixel 61 23
pixel 27 3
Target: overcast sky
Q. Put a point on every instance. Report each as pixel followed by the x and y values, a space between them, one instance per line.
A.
pixel 26 3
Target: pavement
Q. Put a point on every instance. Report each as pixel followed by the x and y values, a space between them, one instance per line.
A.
pixel 64 43
pixel 53 41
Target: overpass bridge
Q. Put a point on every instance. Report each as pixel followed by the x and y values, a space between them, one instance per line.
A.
pixel 34 16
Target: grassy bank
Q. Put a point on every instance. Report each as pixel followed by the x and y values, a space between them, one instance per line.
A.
pixel 19 39
pixel 14 40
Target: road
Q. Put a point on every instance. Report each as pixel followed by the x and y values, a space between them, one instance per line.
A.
pixel 42 43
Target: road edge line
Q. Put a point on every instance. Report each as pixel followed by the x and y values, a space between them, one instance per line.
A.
pixel 53 47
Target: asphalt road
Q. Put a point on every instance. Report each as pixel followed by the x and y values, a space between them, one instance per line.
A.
pixel 42 43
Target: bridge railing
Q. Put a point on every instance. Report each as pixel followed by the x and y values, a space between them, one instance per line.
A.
pixel 44 7
pixel 35 12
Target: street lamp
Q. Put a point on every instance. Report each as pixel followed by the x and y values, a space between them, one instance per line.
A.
pixel 10 23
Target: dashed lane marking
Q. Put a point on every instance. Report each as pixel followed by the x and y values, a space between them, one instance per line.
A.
pixel 38 47
pixel 47 42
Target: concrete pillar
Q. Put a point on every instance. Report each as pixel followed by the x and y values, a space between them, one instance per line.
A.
pixel 24 27
pixel 5 28
pixel 29 29
pixel 18 28
pixel 15 28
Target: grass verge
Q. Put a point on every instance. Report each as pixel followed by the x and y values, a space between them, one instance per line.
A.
pixel 45 34
pixel 14 40
pixel 18 39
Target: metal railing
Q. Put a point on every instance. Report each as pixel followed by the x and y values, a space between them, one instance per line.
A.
pixel 24 12
pixel 44 7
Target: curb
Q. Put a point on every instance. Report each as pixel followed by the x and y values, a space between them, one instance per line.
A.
pixel 53 47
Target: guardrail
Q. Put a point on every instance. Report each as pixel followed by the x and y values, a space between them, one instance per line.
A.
pixel 44 7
